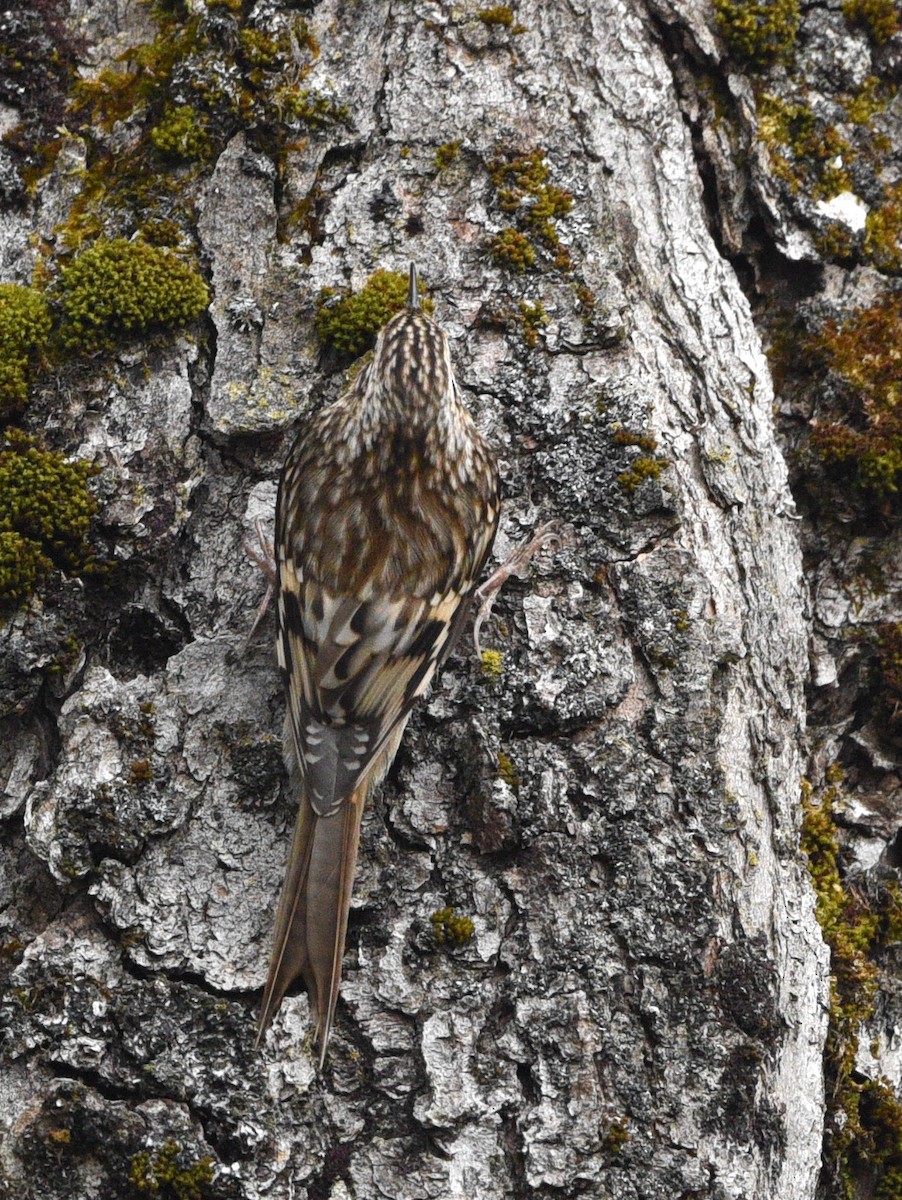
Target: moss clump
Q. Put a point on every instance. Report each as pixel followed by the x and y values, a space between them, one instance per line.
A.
pixel 492 663
pixel 616 1136
pixel 507 771
pixel 499 15
pixel 160 1174
pixel 448 929
pixel 181 135
pixel 647 466
pixel 261 49
pixel 119 288
pixel 513 250
pixel 446 154
pixel 533 318
pixel 45 515
pixel 758 31
pixel 883 233
pixel 813 147
pixel 24 329
pixel 22 565
pixel 880 18
pixel 309 108
pixel 641 470
pixel 351 322
pixel 522 189
pixel 871 98
pixel 835 242
pixel 863 1145
pixel 863 358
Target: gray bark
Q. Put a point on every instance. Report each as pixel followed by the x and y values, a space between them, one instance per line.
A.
pixel 645 948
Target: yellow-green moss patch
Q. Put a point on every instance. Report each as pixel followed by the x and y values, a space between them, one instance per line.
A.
pixel 758 31
pixel 863 353
pixel 181 134
pixel 449 929
pixel 350 322
pixel 24 329
pixel 45 515
pixel 863 1145
pixel 162 1174
pixel 533 318
pixel 881 18
pixel 119 288
pixel 524 191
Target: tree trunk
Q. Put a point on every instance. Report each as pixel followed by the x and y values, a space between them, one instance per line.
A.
pixel 641 1010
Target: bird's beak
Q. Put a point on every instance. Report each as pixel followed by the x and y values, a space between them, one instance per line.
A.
pixel 413 295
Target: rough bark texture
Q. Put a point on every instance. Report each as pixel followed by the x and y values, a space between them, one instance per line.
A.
pixel 617 811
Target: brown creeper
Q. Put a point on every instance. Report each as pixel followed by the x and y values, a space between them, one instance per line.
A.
pixel 387 510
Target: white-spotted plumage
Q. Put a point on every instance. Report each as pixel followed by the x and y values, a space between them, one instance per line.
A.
pixel 387 510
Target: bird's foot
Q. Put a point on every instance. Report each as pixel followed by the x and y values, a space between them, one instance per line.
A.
pixel 519 558
pixel 262 553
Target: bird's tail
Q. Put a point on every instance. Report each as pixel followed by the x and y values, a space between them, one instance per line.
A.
pixel 312 918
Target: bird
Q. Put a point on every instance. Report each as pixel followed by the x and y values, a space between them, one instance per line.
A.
pixel 387 509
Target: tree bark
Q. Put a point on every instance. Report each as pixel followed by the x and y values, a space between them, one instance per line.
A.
pixel 642 1009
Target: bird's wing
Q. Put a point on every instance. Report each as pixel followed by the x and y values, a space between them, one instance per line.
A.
pixel 353 669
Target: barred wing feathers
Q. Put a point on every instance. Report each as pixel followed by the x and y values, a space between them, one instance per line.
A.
pixel 352 669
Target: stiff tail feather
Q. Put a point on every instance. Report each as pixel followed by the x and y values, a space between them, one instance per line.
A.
pixel 312 918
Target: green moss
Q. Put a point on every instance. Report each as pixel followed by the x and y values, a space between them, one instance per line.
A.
pixel 629 437
pixel 647 466
pixel 119 288
pixel 883 233
pixel 161 1174
pixel 863 1146
pixel 585 298
pixel 512 249
pixel 492 663
pixel 22 566
pixel 871 98
pixel 227 76
pixel 309 108
pixel 835 242
pixel 616 1136
pixel 449 929
pixel 181 134
pixel 533 318
pixel 24 329
pixel 507 771
pixel 862 354
pixel 640 471
pixel 813 147
pixel 351 322
pixel 261 49
pixel 446 154
pixel 45 515
pixel 499 15
pixel 881 18
pixel 523 189
pixel 758 31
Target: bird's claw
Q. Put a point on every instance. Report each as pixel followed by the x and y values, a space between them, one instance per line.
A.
pixel 262 554
pixel 516 561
